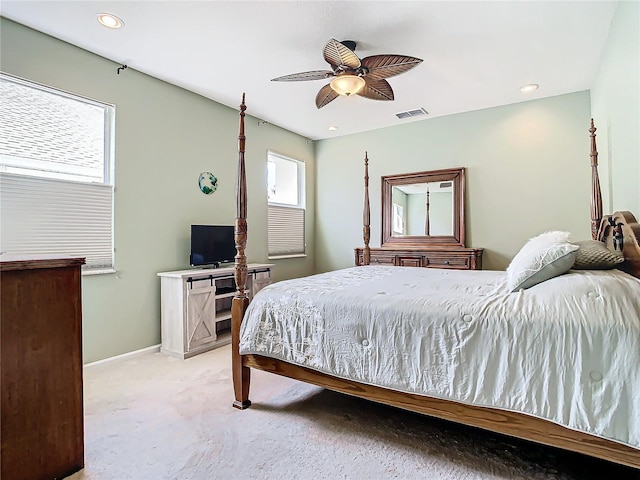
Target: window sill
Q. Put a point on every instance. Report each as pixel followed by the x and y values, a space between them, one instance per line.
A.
pixel 98 271
pixel 278 257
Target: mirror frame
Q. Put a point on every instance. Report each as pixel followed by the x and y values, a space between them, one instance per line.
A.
pixel 455 175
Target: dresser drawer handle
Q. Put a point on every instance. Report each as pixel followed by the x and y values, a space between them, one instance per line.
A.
pixel 446 262
pixel 376 260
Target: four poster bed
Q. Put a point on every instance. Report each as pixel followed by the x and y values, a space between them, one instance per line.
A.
pixel 533 363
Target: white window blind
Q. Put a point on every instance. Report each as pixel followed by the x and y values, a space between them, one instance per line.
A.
pixel 56 192
pixel 286 231
pixel 42 215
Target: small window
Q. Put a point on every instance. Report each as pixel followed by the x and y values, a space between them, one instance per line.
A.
pixel 398 219
pixel 286 206
pixel 56 183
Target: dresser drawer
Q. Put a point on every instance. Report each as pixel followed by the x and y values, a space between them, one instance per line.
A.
pixel 437 261
pixel 376 258
pixel 409 260
pixel 383 259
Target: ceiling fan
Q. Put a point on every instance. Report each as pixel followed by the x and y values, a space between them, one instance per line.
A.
pixel 352 76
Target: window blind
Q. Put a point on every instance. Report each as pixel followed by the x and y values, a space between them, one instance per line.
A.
pixel 285 231
pixel 51 216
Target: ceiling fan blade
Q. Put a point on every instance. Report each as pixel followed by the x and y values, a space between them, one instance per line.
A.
pixel 385 66
pixel 336 54
pixel 376 90
pixel 325 95
pixel 303 76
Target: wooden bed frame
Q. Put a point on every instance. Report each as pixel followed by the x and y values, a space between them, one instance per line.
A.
pixel 501 421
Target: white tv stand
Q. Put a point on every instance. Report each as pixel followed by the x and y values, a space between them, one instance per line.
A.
pixel 196 306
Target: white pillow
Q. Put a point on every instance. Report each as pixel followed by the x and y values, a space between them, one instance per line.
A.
pixel 543 257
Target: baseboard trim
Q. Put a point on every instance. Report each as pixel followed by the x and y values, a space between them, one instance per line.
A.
pixel 125 356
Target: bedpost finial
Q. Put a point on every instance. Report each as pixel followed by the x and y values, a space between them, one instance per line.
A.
pixel 243 107
pixel 366 158
pixel 592 129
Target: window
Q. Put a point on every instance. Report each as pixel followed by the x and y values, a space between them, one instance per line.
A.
pixel 285 194
pixel 398 218
pixel 56 182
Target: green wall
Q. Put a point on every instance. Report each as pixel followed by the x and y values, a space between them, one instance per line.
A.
pixel 165 136
pixel 527 172
pixel 615 100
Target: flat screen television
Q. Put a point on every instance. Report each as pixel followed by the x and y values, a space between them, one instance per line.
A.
pixel 212 245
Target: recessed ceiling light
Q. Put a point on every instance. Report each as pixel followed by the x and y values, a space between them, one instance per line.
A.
pixel 529 88
pixel 110 21
pixel 333 128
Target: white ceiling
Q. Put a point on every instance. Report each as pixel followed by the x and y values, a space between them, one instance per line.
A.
pixel 477 54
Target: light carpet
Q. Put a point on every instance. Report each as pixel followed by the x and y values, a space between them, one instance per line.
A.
pixel 154 417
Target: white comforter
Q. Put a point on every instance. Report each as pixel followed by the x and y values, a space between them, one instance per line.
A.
pixel 566 350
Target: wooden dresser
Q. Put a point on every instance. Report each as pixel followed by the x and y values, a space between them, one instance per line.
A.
pixel 41 424
pixel 459 258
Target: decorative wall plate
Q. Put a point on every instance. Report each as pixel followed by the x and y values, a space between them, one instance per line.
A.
pixel 208 183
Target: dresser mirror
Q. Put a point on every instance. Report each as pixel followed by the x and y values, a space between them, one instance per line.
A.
pixel 423 208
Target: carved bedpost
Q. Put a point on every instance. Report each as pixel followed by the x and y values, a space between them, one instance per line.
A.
pixel 241 212
pixel 427 227
pixel 366 215
pixel 241 374
pixel 596 195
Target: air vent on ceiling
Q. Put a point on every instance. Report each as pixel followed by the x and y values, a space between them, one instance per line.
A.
pixel 412 113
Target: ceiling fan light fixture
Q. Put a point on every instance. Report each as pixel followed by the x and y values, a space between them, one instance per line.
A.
pixel 347 84
pixel 347 72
